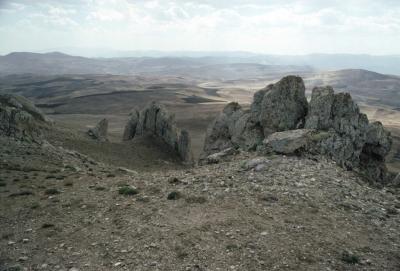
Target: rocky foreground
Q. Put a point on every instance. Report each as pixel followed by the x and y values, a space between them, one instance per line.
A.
pixel 61 210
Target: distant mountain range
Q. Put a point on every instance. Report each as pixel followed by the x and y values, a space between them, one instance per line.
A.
pixel 181 63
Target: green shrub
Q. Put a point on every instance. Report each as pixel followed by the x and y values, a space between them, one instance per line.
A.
pixel 127 191
pixel 350 258
pixel 174 195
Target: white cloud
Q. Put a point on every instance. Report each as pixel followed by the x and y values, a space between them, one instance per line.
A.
pixel 293 26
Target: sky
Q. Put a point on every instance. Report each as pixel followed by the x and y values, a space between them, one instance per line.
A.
pixel 271 27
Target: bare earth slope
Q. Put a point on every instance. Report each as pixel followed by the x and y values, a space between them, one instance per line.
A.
pixel 60 210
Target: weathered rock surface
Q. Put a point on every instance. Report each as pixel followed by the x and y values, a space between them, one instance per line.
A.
pixel 156 121
pixel 20 119
pixel 216 158
pixel 99 132
pixel 130 127
pixel 350 140
pixel 233 128
pixel 284 105
pixel 289 142
pixel 333 126
pixel 277 107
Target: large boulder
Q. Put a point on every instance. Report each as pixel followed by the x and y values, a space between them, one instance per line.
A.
pixel 155 120
pixel 100 131
pixel 131 125
pixel 289 142
pixel 284 105
pixel 20 119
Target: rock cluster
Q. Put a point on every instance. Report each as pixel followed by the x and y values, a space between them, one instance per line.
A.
pixel 277 107
pixel 20 119
pixel 281 120
pixel 156 121
pixel 99 132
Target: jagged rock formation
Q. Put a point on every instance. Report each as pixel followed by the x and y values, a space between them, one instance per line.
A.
pixel 233 127
pixel 284 105
pixel 20 119
pixel 333 126
pixel 277 107
pixel 130 127
pixel 350 139
pixel 156 121
pixel 99 132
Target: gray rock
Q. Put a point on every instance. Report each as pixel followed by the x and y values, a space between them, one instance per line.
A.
pixel 396 181
pixel 20 119
pixel 257 163
pixel 333 126
pixel 284 105
pixel 348 139
pixel 216 158
pixel 233 128
pixel 156 121
pixel 130 127
pixel 99 132
pixel 289 142
pixel 320 109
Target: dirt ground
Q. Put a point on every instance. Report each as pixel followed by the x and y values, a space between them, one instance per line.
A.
pixel 61 210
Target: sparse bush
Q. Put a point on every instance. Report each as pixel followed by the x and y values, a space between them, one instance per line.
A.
pixel 350 258
pixel 35 205
pixel 99 188
pixel 2 184
pixel 51 191
pixel 173 180
pixel 47 225
pixel 174 195
pixel 128 191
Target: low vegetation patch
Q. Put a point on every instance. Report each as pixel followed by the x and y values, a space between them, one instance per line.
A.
pixel 174 195
pixel 51 191
pixel 128 190
pixel 350 258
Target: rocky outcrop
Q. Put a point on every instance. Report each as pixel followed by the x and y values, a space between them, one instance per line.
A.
pixel 130 127
pixel 155 120
pixel 350 139
pixel 277 107
pixel 283 106
pixel 20 119
pixel 99 132
pixel 333 126
pixel 233 128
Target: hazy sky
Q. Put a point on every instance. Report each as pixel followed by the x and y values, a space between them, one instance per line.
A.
pixel 273 27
